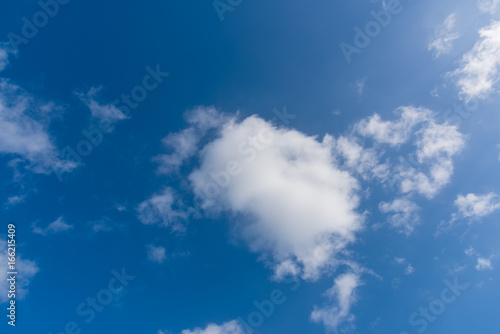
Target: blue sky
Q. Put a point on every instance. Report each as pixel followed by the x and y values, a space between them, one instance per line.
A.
pixel 233 167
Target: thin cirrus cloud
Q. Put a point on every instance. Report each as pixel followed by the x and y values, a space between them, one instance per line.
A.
pixel 341 297
pixel 57 226
pixel 102 111
pixel 488 6
pixel 444 37
pixel 478 73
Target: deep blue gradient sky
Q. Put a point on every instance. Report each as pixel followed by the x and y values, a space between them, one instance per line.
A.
pixel 261 57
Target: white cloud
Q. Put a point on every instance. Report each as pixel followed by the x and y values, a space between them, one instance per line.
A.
pixel 4 57
pixel 393 132
pixel 156 254
pixel 26 271
pixel 409 269
pixel 479 71
pixel 184 144
pixel 15 200
pixel 436 144
pixel 360 85
pixel 159 210
pixel 24 123
pixel 404 216
pixel 341 298
pixel 231 327
pixel 477 206
pixel 295 206
pixel 59 225
pixel 444 37
pixel 483 264
pixel 488 6
pixel 108 112
pixel 364 161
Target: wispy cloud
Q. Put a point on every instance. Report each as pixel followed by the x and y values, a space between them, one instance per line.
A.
pixel 102 111
pixel 231 327
pixel 444 37
pixel 156 254
pixel 488 6
pixel 59 225
pixel 341 298
pixel 404 214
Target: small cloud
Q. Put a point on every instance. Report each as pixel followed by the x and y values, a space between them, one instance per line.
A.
pixel 159 209
pixel 101 111
pixel 444 37
pixel 488 6
pixel 360 85
pixel 156 254
pixel 400 260
pixel 55 227
pixel 336 112
pixel 483 264
pixel 342 296
pixel 470 251
pixel 479 71
pixel 231 327
pixel 404 215
pixel 477 206
pixel 409 269
pixel 120 207
pixel 14 200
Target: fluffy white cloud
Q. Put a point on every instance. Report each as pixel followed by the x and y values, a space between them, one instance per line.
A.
pixel 483 264
pixel 477 206
pixel 364 161
pixel 393 132
pixel 231 327
pixel 108 112
pixel 436 144
pixel 24 122
pixel 479 70
pixel 444 37
pixel 59 225
pixel 404 216
pixel 159 210
pixel 156 254
pixel 341 298
pixel 295 206
pixel 26 271
pixel 488 6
